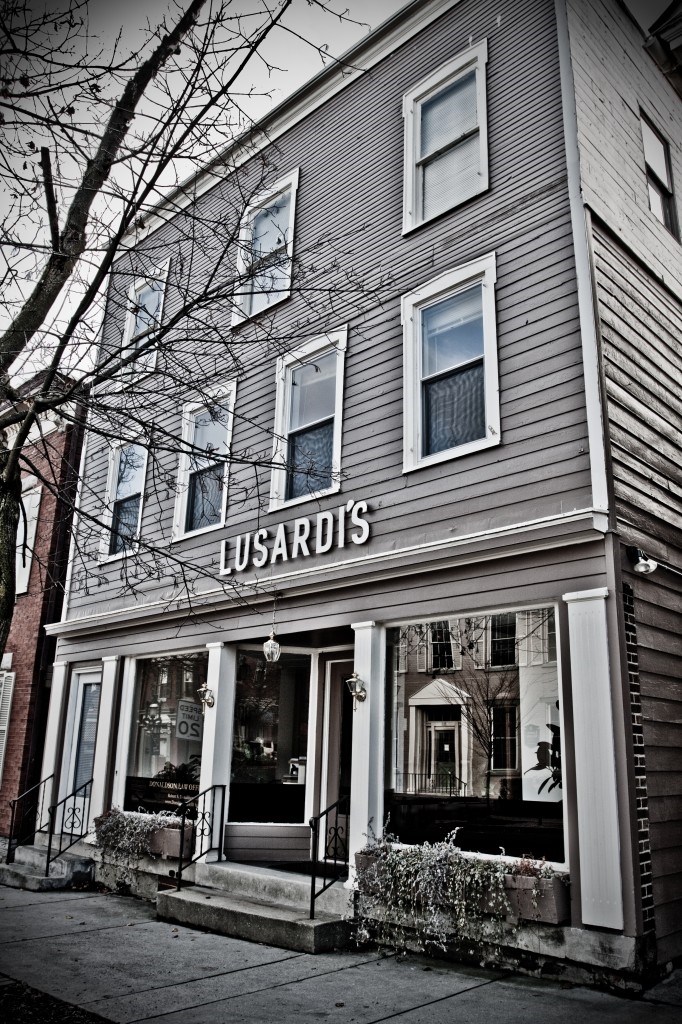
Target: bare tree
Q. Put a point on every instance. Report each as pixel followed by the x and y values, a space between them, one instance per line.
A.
pixel 92 137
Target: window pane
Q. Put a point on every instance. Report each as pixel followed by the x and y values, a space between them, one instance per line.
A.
pixel 205 497
pixel 452 331
pixel 504 738
pixel 124 524
pixel 441 647
pixel 313 391
pixel 454 410
pixel 271 281
pixel 655 154
pixel 451 177
pixel 449 114
pixel 130 477
pixel 210 430
pixel 270 229
pixel 503 639
pixel 310 461
pixel 147 307
pixel 87 735
pixel 656 203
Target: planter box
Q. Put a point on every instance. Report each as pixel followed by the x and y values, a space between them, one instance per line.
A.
pixel 538 899
pixel 166 842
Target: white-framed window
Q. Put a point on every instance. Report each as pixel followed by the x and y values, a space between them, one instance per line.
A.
pixel 504 725
pixel 266 249
pixel 203 468
pixel 26 535
pixel 308 415
pixel 6 689
pixel 145 309
pixel 658 175
pixel 446 138
pixel 125 492
pixel 451 390
pixel 536 637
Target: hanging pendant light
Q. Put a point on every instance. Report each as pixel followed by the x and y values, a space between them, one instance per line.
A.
pixel 271 648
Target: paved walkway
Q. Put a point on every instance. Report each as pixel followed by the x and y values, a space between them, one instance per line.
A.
pixel 109 955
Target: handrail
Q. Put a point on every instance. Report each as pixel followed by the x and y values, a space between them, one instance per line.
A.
pixel 73 824
pixel 37 824
pixel 202 823
pixel 335 853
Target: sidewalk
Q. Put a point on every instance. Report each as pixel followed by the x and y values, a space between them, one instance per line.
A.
pixel 110 956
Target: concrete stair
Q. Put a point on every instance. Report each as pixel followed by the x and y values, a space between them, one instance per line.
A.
pixel 261 905
pixel 28 870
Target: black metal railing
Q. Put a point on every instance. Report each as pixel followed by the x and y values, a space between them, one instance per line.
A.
pixel 421 783
pixel 69 822
pixel 329 854
pixel 28 816
pixel 202 827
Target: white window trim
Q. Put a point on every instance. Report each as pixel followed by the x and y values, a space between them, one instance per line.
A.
pixel 475 57
pixel 147 360
pixel 289 183
pixel 31 496
pixel 478 271
pixel 6 691
pixel 335 341
pixel 225 394
pixel 108 514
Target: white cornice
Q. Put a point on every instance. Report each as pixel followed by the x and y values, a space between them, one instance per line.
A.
pixel 365 55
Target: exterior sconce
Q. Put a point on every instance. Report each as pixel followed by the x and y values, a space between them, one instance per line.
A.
pixel 357 689
pixel 641 561
pixel 206 697
pixel 271 648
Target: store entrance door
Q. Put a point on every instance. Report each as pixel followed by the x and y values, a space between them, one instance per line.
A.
pixel 336 755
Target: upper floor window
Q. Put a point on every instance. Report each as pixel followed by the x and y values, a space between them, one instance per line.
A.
pixel 145 306
pixel 503 639
pixel 307 449
pixel 26 534
pixel 127 472
pixel 202 474
pixel 659 176
pixel 266 246
pixel 451 400
pixel 446 138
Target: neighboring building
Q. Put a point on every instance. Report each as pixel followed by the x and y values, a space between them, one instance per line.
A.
pixel 48 491
pixel 475 412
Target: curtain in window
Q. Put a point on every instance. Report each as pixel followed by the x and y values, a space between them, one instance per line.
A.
pixel 451 173
pixel 87 735
pixel 205 497
pixel 124 524
pixel 454 410
pixel 310 460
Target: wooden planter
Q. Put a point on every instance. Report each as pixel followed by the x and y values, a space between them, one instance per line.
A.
pixel 538 899
pixel 166 843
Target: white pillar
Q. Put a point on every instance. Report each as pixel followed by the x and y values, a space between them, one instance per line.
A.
pixel 367 770
pixel 105 732
pixel 53 732
pixel 216 748
pixel 599 845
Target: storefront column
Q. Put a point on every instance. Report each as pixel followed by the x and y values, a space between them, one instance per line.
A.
pixel 53 732
pixel 367 770
pixel 216 747
pixel 105 735
pixel 600 868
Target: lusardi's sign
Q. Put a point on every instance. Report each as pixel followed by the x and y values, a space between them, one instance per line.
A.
pixel 314 535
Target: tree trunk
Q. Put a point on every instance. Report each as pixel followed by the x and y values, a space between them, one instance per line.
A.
pixel 10 510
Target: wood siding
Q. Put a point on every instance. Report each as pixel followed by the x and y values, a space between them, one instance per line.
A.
pixel 352 151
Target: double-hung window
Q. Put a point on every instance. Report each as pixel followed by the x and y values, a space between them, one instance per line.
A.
pixel 126 486
pixel 504 727
pixel 307 448
pixel 145 307
pixel 446 138
pixel 451 401
pixel 503 640
pixel 659 176
pixel 266 246
pixel 202 476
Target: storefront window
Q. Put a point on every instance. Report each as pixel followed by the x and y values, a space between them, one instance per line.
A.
pixel 474 737
pixel 165 745
pixel 270 739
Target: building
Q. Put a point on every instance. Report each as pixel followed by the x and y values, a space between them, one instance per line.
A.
pixel 459 380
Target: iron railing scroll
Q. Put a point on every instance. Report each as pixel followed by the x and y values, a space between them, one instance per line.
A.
pixel 201 831
pixel 28 816
pixel 329 843
pixel 69 822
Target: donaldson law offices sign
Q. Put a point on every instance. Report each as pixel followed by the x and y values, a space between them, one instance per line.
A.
pixel 305 537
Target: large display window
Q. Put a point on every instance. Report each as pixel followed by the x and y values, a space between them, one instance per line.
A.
pixel 164 761
pixel 474 733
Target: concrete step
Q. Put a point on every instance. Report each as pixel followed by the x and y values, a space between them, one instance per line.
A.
pixel 28 870
pixel 271 885
pixel 254 920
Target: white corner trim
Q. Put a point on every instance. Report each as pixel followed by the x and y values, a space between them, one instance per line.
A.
pixel 586 595
pixel 587 302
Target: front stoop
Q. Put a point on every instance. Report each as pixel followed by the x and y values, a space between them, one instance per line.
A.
pixel 28 870
pixel 262 905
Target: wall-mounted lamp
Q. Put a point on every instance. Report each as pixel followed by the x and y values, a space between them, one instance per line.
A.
pixel 641 561
pixel 271 648
pixel 206 697
pixel 357 689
